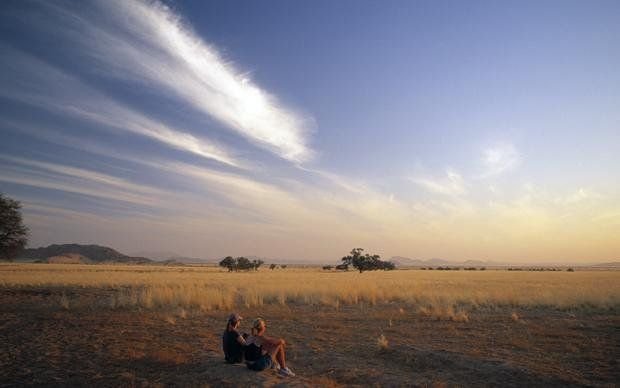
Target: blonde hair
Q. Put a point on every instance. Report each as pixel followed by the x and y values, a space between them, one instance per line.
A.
pixel 257 325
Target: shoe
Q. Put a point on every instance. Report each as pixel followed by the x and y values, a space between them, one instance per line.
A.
pixel 287 372
pixel 275 366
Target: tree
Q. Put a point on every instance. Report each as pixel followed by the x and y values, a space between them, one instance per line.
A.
pixel 240 264
pixel 365 262
pixel 273 266
pixel 13 233
pixel 256 264
pixel 229 262
pixel 244 264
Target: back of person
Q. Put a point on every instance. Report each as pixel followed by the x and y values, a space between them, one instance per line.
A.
pixel 252 352
pixel 255 359
pixel 233 350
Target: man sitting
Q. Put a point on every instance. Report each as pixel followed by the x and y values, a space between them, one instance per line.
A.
pixel 233 342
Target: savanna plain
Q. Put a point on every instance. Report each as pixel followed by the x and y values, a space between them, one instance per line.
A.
pixel 122 325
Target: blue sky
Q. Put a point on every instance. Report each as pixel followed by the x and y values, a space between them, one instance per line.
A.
pixel 298 130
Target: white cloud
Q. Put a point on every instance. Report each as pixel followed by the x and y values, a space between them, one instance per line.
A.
pixel 452 184
pixel 87 175
pixel 146 41
pixel 499 159
pixel 70 186
pixel 37 83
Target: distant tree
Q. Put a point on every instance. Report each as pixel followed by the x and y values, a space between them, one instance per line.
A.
pixel 366 262
pixel 355 254
pixel 244 264
pixel 13 233
pixel 327 267
pixel 256 264
pixel 273 266
pixel 342 267
pixel 240 264
pixel 283 266
pixel 387 265
pixel 229 263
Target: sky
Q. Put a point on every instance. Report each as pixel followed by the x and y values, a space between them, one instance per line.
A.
pixel 298 130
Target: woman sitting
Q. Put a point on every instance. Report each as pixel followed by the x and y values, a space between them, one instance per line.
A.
pixel 262 352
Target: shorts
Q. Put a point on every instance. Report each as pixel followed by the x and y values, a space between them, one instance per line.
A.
pixel 262 363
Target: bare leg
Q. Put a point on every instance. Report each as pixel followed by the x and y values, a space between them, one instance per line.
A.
pixel 277 354
pixel 280 356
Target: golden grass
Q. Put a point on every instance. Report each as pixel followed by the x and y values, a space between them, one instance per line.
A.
pixel 441 294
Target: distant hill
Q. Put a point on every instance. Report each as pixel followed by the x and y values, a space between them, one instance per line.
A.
pixel 85 253
pixel 190 260
pixel 172 257
pixel 615 264
pixel 407 262
pixel 156 255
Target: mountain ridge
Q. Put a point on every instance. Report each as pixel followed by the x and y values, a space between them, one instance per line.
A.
pixel 94 253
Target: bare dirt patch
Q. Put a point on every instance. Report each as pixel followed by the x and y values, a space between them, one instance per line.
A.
pixel 44 343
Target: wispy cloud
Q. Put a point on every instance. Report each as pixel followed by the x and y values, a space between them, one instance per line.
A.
pixel 35 82
pixel 148 42
pixel 88 175
pixel 81 181
pixel 499 159
pixel 17 176
pixel 450 184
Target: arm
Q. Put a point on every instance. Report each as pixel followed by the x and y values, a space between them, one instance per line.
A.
pixel 273 341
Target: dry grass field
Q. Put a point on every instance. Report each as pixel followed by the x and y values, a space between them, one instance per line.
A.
pixel 103 325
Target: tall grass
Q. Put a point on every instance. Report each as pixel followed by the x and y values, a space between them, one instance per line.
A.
pixel 209 288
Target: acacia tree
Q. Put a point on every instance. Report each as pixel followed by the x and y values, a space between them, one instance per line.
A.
pixel 365 262
pixel 240 264
pixel 13 233
pixel 228 262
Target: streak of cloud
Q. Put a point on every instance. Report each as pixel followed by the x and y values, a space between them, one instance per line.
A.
pixel 149 43
pixel 34 82
pixel 451 184
pixel 88 175
pixel 71 186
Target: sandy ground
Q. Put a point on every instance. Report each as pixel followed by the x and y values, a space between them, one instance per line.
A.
pixel 88 343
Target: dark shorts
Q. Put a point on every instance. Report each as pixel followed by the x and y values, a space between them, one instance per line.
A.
pixel 262 363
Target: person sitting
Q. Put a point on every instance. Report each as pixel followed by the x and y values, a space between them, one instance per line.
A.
pixel 233 342
pixel 262 352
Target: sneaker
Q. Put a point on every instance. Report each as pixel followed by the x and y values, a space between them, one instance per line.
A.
pixel 286 372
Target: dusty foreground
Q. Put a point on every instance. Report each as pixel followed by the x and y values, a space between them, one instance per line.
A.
pixel 44 342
